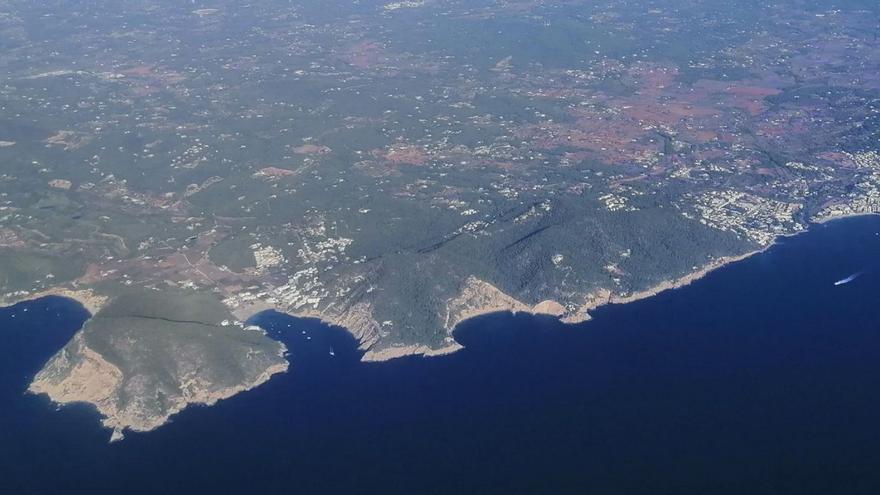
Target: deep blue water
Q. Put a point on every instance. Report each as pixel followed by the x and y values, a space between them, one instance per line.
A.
pixel 762 378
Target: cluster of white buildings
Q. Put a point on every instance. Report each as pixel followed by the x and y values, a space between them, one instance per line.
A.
pixel 758 219
pixel 267 257
pixel 865 196
pixel 616 202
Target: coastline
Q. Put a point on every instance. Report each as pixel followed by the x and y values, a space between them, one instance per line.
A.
pixel 597 299
pixel 397 352
pixel 87 298
pixel 96 382
pixel 684 280
pixel 843 216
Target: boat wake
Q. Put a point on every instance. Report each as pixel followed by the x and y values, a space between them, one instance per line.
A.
pixel 849 279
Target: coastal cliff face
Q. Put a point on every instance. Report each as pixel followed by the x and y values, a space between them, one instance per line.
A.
pixel 147 356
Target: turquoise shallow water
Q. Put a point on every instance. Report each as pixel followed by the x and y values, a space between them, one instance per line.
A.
pixel 764 377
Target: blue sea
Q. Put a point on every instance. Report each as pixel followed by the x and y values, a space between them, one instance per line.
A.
pixel 761 378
